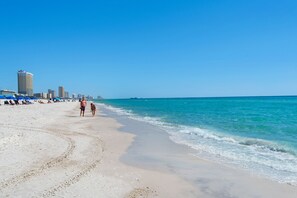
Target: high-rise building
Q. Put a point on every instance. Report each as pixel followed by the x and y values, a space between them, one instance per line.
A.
pixel 25 83
pixel 61 92
pixel 49 96
pixel 66 94
pixel 52 93
pixel 41 95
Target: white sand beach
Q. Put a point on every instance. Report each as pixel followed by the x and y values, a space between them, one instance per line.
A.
pixel 47 150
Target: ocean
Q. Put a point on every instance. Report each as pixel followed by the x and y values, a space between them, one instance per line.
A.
pixel 258 134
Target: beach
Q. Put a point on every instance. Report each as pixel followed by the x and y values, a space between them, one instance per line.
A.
pixel 48 150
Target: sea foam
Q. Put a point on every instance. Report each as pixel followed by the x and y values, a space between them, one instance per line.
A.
pixel 255 155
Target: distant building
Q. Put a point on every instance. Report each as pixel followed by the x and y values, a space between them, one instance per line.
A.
pixel 99 98
pixel 5 92
pixel 41 95
pixel 66 94
pixel 61 92
pixel 89 97
pixel 73 96
pixel 25 83
pixel 49 96
pixel 52 93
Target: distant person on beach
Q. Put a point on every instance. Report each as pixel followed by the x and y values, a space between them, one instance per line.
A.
pixel 93 109
pixel 83 104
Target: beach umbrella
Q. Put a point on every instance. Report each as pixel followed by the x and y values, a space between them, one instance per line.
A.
pixel 10 97
pixel 20 98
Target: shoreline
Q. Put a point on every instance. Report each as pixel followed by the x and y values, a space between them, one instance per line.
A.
pixel 48 150
pixel 211 178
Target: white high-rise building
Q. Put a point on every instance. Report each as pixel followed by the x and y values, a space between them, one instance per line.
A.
pixel 25 83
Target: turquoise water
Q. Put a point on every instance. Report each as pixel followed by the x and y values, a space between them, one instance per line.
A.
pixel 254 133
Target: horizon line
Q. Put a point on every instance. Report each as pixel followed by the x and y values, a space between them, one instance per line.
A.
pixel 248 96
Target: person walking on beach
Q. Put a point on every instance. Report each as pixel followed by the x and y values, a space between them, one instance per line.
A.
pixel 83 104
pixel 93 109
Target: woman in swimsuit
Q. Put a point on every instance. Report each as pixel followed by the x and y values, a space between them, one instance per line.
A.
pixel 93 109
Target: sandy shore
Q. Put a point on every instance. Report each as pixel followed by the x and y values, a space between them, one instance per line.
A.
pixel 153 149
pixel 49 151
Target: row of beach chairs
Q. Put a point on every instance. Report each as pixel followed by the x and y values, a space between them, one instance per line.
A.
pixel 15 102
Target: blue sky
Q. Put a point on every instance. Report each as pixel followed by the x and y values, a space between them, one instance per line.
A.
pixel 152 48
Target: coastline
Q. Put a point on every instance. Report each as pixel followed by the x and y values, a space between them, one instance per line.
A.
pixel 153 149
pixel 47 150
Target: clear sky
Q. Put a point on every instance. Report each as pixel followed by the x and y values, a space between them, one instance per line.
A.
pixel 151 48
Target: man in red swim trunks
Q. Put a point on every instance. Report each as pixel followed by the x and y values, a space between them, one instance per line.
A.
pixel 83 104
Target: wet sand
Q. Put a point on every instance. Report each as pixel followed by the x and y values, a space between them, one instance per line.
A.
pixel 47 150
pixel 152 149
